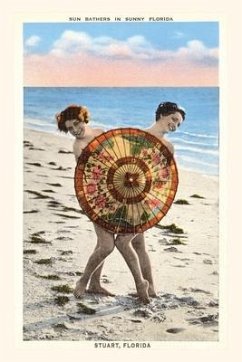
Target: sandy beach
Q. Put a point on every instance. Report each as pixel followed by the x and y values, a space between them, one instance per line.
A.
pixel 59 238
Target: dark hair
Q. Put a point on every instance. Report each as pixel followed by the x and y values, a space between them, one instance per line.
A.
pixel 167 108
pixel 73 111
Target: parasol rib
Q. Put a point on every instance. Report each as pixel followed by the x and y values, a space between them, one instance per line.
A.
pixel 107 139
pixel 114 138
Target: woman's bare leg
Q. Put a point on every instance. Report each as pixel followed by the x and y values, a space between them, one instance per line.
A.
pixel 102 250
pixel 94 284
pixel 138 244
pixel 123 243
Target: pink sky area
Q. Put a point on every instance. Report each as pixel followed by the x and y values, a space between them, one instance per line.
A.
pixel 50 70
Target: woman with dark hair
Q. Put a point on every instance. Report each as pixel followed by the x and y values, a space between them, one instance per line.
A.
pixel 169 117
pixel 168 108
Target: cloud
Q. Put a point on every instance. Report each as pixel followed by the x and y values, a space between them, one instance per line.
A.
pixel 135 48
pixel 178 35
pixel 196 52
pixel 77 43
pixel 32 41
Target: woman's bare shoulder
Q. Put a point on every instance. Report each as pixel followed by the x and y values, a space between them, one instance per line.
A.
pixel 97 131
pixel 168 144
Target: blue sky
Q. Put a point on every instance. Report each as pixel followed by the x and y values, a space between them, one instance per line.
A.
pixel 163 35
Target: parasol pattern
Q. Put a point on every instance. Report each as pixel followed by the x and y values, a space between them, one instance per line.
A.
pixel 126 180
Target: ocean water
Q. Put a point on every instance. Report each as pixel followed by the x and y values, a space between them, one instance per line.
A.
pixel 196 142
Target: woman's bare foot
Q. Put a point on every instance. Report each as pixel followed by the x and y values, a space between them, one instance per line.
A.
pixel 97 289
pixel 80 288
pixel 152 292
pixel 142 290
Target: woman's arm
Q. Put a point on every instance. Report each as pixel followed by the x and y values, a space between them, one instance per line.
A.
pixel 77 148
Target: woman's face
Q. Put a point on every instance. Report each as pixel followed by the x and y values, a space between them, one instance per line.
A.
pixel 75 127
pixel 171 122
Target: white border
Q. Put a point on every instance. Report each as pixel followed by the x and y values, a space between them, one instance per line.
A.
pixel 229 347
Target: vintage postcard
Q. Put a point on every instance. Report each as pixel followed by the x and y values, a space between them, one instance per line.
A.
pixel 84 285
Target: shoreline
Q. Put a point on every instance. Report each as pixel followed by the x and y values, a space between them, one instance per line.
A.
pixel 58 240
pixel 67 136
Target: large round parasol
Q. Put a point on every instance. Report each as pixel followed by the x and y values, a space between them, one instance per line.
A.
pixel 126 180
